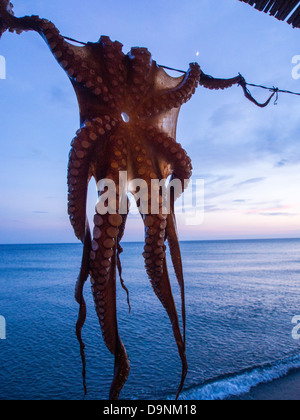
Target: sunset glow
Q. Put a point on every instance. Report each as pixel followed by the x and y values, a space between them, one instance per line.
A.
pixel 248 157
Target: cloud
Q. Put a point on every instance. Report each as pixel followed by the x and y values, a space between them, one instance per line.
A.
pixel 212 209
pixel 281 163
pixel 216 179
pixel 276 214
pixel 250 181
pixel 272 209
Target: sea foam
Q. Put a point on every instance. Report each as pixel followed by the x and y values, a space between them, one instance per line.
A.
pixel 241 383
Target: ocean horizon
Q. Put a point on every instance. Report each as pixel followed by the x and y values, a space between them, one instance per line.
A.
pixel 181 241
pixel 241 298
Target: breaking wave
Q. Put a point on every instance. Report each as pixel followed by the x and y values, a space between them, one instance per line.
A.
pixel 241 383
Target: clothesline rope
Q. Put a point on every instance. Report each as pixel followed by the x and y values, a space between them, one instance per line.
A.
pixel 239 81
pixel 274 89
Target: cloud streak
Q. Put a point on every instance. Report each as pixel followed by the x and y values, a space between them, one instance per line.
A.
pixel 249 181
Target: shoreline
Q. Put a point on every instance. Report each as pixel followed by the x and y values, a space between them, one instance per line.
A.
pixel 286 388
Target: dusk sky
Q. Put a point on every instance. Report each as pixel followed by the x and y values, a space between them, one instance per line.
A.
pixel 248 157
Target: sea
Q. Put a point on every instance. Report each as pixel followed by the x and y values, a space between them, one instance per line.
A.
pixel 242 298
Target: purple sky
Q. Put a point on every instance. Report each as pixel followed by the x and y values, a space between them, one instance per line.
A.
pixel 248 157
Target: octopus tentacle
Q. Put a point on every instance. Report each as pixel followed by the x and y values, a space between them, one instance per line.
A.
pixel 82 148
pixel 119 265
pixel 82 278
pixel 173 98
pixel 103 276
pixel 83 145
pixel 156 265
pixel 140 76
pixel 9 21
pixel 115 69
pixel 172 237
pixel 120 251
pixel 174 154
pixel 72 59
pixel 155 255
pixel 212 83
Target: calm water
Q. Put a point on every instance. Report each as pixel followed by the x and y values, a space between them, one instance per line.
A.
pixel 241 298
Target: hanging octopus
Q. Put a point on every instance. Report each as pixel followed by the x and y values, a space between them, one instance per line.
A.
pixel 110 85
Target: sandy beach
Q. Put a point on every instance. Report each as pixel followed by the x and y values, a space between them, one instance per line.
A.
pixel 283 389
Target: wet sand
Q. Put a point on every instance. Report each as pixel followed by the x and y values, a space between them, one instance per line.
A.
pixel 283 389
